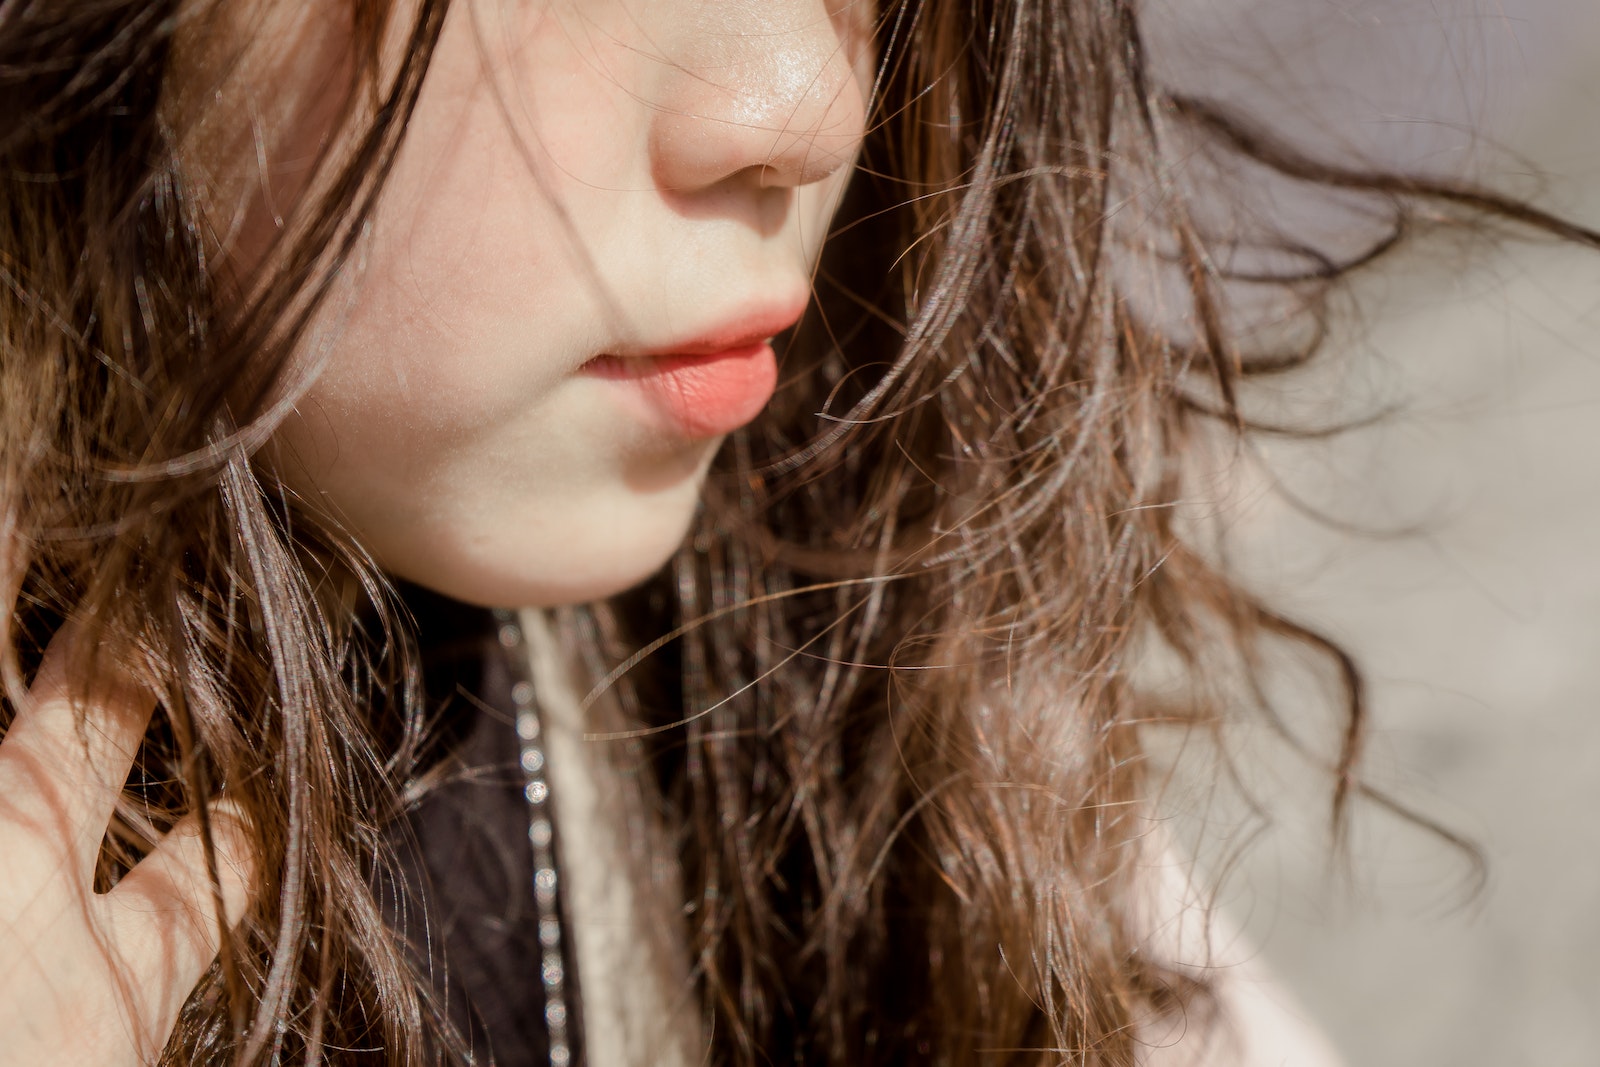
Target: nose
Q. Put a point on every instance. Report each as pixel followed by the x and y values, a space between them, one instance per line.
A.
pixel 771 96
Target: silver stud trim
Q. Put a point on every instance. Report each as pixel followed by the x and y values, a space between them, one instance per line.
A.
pixel 541 836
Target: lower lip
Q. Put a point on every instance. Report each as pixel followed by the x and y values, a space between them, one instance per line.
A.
pixel 700 395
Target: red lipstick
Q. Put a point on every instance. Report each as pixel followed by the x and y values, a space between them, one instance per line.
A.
pixel 709 385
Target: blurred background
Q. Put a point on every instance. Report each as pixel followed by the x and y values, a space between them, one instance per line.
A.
pixel 1470 586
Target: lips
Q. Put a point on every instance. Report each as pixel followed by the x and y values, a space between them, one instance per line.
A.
pixel 707 385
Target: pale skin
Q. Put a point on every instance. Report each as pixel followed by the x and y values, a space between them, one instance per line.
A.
pixel 85 977
pixel 682 163
pixel 583 178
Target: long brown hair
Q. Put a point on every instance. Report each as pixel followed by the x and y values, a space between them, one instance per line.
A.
pixel 896 729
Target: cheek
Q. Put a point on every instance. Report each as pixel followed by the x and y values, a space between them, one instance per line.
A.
pixel 523 231
pixel 477 284
pixel 446 423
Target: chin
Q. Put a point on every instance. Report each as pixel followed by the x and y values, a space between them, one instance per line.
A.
pixel 512 587
pixel 541 563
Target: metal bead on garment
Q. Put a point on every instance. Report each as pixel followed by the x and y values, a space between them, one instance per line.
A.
pixel 541 835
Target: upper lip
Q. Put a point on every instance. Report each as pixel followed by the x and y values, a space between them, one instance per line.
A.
pixel 742 329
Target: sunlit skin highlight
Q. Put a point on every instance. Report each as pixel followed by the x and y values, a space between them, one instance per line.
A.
pixel 583 185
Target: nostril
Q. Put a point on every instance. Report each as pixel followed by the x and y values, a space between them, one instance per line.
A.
pixel 785 107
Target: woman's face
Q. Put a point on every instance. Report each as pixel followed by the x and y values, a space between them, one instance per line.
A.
pixel 602 211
